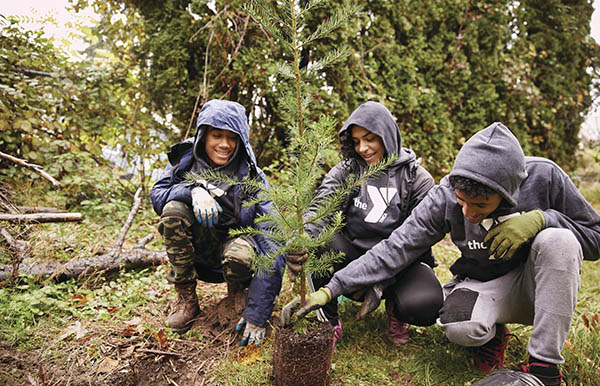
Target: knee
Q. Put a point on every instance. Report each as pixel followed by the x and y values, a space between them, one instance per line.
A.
pixel 175 221
pixel 237 257
pixel 558 247
pixel 468 333
pixel 422 310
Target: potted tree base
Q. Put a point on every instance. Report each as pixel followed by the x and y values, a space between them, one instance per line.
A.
pixel 303 358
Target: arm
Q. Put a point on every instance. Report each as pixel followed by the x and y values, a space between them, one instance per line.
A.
pixel 264 287
pixel 167 188
pixel 332 180
pixel 422 229
pixel 570 210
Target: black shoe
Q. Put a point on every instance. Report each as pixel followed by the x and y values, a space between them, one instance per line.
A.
pixel 548 373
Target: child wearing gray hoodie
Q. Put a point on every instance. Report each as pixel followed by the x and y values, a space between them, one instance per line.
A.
pixel 522 228
pixel 372 212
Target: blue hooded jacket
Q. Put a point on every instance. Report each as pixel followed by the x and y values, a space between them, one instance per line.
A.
pixel 171 185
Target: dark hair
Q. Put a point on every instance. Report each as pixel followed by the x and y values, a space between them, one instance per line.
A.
pixel 470 187
pixel 347 144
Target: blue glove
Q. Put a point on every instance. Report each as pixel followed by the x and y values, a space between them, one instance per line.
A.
pixel 206 209
pixel 252 333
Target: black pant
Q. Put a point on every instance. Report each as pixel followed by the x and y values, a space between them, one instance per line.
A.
pixel 416 293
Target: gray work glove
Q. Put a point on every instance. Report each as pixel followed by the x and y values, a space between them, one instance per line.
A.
pixel 206 209
pixel 252 333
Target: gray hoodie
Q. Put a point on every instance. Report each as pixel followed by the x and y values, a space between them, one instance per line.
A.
pixel 384 202
pixel 492 157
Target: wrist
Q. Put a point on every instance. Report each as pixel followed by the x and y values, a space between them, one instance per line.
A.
pixel 327 291
pixel 541 218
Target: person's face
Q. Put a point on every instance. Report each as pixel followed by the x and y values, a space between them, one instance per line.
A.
pixel 477 208
pixel 219 145
pixel 367 145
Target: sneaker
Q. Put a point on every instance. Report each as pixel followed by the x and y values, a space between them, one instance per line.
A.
pixel 491 355
pixel 337 333
pixel 548 373
pixel 397 330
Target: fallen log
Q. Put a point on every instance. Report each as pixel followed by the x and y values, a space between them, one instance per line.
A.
pixel 75 269
pixel 41 217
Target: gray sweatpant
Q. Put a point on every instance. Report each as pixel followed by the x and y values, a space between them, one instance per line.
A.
pixel 541 292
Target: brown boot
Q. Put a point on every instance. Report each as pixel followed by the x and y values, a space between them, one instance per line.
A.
pixel 186 309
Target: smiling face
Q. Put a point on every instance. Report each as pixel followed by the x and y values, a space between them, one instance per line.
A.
pixel 477 208
pixel 219 145
pixel 367 145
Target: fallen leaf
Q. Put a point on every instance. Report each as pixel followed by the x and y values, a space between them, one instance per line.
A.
pixel 250 354
pixel 80 300
pixel 112 309
pixel 128 352
pixel 134 322
pixel 161 338
pixel 78 329
pixel 107 365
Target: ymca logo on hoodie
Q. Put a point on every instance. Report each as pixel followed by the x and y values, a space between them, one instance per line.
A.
pixel 380 199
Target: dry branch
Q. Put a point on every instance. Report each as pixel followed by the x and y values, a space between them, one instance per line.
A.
pixel 127 259
pixel 137 202
pixel 36 168
pixel 41 217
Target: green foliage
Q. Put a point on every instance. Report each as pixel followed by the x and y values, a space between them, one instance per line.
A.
pixel 25 305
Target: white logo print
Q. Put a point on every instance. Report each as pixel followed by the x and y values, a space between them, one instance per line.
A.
pixel 381 198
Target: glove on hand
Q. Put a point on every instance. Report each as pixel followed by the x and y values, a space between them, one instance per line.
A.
pixel 252 333
pixel 314 301
pixel 371 301
pixel 294 260
pixel 206 208
pixel 508 236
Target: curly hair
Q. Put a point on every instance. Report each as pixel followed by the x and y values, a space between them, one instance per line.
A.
pixel 347 144
pixel 470 187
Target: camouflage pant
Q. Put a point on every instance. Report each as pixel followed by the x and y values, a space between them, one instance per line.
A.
pixel 190 247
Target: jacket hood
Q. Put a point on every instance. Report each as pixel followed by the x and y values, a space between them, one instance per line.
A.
pixel 376 118
pixel 225 115
pixel 493 157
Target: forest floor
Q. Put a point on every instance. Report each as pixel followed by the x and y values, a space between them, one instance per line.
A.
pixel 131 354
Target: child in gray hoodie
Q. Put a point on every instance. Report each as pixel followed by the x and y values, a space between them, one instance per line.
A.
pixel 522 228
pixel 372 213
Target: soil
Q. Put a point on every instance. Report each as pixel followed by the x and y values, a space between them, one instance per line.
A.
pixel 303 358
pixel 136 354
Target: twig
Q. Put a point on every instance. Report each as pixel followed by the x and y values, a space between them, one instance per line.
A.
pixel 137 202
pixel 142 243
pixel 158 352
pixel 18 245
pixel 36 168
pixel 21 249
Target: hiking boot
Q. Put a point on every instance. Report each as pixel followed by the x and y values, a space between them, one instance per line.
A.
pixel 548 373
pixel 491 355
pixel 185 310
pixel 397 330
pixel 337 333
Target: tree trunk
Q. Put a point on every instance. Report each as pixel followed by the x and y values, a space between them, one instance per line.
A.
pixel 127 259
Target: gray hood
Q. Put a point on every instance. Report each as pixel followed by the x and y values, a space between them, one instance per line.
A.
pixel 376 118
pixel 493 157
